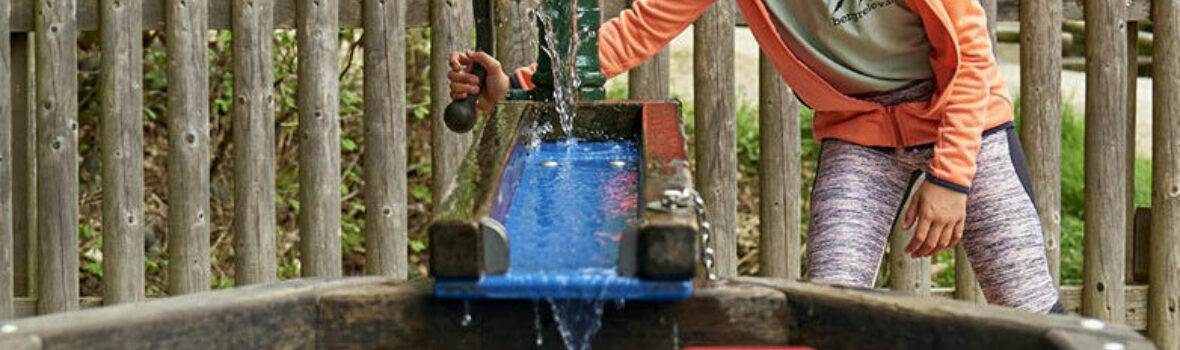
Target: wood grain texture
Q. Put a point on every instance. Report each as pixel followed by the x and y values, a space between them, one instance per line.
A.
pixel 906 274
pixel 1132 74
pixel 7 251
pixel 24 164
pixel 651 80
pixel 779 176
pixel 716 129
pixel 220 14
pixel 121 96
pixel 319 141
pixel 57 156
pixel 254 224
pixel 966 285
pixel 1164 264
pixel 188 147
pixel 516 32
pixel 450 30
pixel 385 139
pixel 1105 195
pixel 1040 113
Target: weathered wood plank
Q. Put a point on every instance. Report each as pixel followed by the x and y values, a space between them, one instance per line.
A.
pixel 121 96
pixel 1040 117
pixel 7 287
pixel 24 182
pixel 966 285
pixel 451 25
pixel 650 80
pixel 906 274
pixel 516 33
pixel 1164 264
pixel 57 156
pixel 1132 73
pixel 220 14
pixel 254 141
pixel 779 175
pixel 319 144
pixel 188 147
pixel 1105 195
pixel 716 129
pixel 385 139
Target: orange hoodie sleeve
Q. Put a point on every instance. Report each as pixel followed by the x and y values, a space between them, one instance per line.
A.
pixel 961 127
pixel 643 30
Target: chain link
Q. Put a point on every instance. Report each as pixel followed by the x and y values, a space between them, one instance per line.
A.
pixel 689 198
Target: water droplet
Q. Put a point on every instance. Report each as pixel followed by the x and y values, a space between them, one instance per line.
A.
pixel 618 163
pixel 549 164
pixel 8 328
pixel 537 322
pixel 1093 324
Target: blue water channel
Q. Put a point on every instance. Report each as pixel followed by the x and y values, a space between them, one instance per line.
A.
pixel 567 214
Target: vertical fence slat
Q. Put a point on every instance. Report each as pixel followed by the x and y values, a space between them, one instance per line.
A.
pixel 516 32
pixel 716 128
pixel 1040 116
pixel 254 141
pixel 779 171
pixel 7 287
pixel 24 183
pixel 57 156
pixel 906 274
pixel 385 138
pixel 450 30
pixel 1163 320
pixel 188 147
pixel 1105 208
pixel 121 95
pixel 1132 73
pixel 651 80
pixel 319 141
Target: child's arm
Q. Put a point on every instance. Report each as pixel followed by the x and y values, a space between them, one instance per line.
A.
pixel 641 31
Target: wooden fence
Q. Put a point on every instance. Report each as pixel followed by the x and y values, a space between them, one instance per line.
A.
pixel 39 185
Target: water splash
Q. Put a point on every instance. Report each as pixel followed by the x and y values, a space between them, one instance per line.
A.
pixel 466 320
pixel 537 323
pixel 578 320
pixel 675 336
pixel 566 81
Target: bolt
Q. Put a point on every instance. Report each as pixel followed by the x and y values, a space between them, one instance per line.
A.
pixel 6 328
pixel 1114 345
pixel 549 164
pixel 1093 324
pixel 618 163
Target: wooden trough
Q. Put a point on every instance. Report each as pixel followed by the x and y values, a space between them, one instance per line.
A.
pixel 379 313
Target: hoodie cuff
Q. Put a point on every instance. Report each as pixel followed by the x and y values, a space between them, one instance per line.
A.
pixel 944 183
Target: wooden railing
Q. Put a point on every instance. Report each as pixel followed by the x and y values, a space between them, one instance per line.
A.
pixel 39 185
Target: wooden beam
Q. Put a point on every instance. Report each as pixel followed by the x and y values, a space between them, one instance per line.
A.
pixel 57 156
pixel 24 181
pixel 188 147
pixel 7 251
pixel 219 14
pixel 451 25
pixel 1105 192
pixel 1040 126
pixel 254 223
pixel 386 227
pixel 716 129
pixel 1164 259
pixel 319 129
pixel 779 175
pixel 121 96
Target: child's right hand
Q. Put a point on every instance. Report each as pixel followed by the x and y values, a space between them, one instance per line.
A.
pixel 463 82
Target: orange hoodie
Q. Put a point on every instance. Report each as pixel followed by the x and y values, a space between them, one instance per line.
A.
pixel 971 96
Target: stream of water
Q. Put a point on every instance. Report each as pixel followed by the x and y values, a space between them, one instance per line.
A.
pixel 566 81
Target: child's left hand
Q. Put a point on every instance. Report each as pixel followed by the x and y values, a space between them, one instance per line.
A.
pixel 940 213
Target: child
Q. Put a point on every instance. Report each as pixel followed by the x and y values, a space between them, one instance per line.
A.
pixel 899 87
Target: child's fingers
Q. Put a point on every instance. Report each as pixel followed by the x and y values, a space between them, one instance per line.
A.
pixel 944 241
pixel 456 65
pixel 958 233
pixel 463 77
pixel 911 213
pixel 931 242
pixel 487 61
pixel 919 236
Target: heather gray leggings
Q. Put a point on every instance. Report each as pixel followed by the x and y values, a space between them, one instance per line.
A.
pixel 857 195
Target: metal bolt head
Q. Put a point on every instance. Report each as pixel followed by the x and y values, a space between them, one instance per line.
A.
pixel 1093 324
pixel 6 328
pixel 549 164
pixel 618 163
pixel 1114 345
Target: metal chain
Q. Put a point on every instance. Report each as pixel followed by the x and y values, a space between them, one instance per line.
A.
pixel 689 198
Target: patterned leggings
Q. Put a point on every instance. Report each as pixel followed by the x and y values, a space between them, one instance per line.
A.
pixel 857 195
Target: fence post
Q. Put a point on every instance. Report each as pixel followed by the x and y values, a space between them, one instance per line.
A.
pixel 779 175
pixel 317 32
pixel 121 95
pixel 1163 322
pixel 1105 197
pixel 7 287
pixel 24 183
pixel 1040 119
pixel 451 23
pixel 385 139
pixel 651 80
pixel 254 141
pixel 57 156
pixel 516 32
pixel 907 274
pixel 1132 73
pixel 188 146
pixel 716 129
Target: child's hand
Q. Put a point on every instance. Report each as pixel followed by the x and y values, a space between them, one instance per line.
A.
pixel 464 83
pixel 940 214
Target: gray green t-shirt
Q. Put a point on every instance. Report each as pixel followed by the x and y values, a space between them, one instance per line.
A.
pixel 859 46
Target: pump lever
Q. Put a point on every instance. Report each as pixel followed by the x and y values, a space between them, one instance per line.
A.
pixel 461 115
